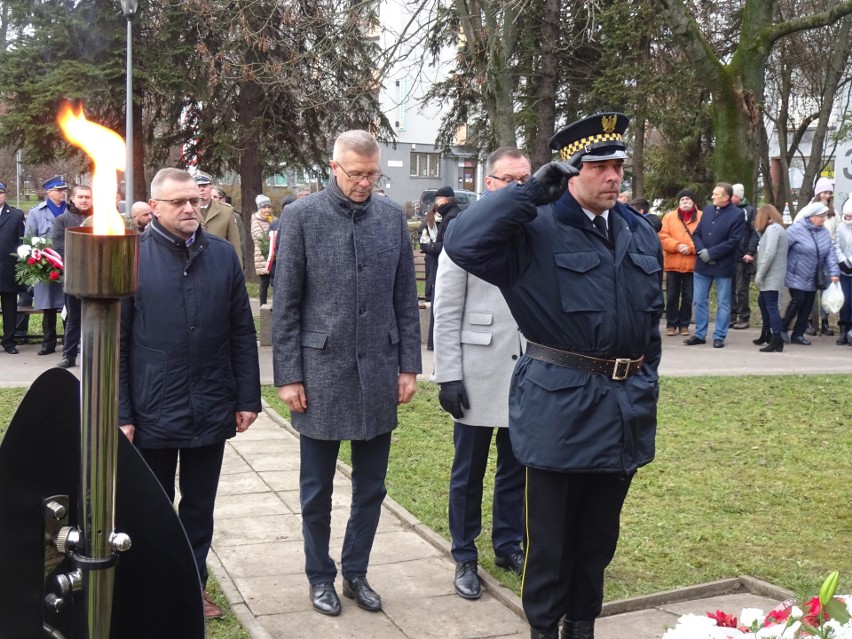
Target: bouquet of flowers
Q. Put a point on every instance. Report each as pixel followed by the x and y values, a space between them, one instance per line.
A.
pixel 37 262
pixel 826 617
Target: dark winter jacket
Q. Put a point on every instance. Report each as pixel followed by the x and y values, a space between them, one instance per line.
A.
pixel 568 288
pixel 750 239
pixel 11 232
pixel 719 231
pixel 188 346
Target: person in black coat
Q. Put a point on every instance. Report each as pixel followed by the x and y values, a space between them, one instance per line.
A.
pixel 428 237
pixel 11 232
pixel 746 252
pixel 446 209
pixel 189 376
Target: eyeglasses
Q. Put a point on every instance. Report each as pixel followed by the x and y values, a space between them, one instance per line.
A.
pixel 372 178
pixel 509 179
pixel 181 202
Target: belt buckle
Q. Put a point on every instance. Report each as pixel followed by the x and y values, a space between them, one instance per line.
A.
pixel 621 368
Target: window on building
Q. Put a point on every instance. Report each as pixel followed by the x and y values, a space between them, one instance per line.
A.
pixel 425 165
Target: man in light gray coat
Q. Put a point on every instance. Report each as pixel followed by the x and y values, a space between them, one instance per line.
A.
pixel 477 344
pixel 346 352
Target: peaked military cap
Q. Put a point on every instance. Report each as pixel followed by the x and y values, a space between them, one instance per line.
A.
pixel 2 188
pixel 594 139
pixel 202 178
pixel 56 182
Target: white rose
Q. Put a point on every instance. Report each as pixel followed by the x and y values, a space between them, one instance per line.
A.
pixel 24 251
pixel 38 241
pixel 749 615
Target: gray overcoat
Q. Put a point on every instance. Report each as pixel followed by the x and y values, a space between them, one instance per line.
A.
pixel 345 314
pixel 771 259
pixel 40 223
pixel 476 341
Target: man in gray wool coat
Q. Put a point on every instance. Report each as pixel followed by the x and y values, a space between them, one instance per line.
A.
pixel 346 353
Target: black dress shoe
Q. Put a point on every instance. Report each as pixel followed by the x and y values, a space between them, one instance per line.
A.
pixel 514 562
pixel 359 590
pixel 467 580
pixel 800 340
pixel 11 350
pixel 325 600
pixel 718 343
pixel 692 341
pixel 47 350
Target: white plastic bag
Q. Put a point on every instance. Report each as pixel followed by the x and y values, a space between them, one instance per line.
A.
pixel 832 298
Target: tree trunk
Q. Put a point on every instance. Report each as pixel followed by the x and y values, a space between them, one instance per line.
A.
pixel 540 152
pixel 251 174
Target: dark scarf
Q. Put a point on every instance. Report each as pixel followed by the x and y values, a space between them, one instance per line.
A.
pixel 343 202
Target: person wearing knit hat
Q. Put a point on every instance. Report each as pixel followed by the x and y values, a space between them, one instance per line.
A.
pixel 746 251
pixel 679 261
pixel 259 230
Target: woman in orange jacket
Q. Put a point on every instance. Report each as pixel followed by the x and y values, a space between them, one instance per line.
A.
pixel 679 261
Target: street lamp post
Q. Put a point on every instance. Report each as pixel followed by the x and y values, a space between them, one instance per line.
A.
pixel 129 8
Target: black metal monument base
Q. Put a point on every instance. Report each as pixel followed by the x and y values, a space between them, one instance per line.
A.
pixel 157 590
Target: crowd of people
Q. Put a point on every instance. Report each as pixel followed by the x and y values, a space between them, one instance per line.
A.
pixel 729 243
pixel 547 297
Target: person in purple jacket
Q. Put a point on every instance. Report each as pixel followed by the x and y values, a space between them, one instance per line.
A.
pixel 716 239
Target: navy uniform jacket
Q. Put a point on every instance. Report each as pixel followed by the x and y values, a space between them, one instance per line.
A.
pixel 568 289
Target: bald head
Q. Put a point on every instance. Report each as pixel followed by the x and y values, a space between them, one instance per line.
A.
pixel 140 213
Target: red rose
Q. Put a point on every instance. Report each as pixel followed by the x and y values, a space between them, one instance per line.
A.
pixel 55 275
pixel 723 620
pixel 31 261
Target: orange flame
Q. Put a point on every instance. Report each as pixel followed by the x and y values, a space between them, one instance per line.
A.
pixel 107 150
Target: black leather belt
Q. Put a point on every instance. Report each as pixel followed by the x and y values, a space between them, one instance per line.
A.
pixel 619 369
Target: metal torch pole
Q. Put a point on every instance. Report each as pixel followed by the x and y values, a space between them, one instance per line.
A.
pixel 128 169
pixel 100 269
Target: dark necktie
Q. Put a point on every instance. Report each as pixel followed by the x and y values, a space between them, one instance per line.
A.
pixel 600 225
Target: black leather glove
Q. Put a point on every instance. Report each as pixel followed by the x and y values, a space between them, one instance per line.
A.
pixel 549 182
pixel 453 397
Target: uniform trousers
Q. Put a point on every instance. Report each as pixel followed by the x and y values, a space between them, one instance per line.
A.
pixel 9 306
pixel 318 459
pixel 572 531
pixel 472 444
pixel 73 319
pixel 48 327
pixel 199 481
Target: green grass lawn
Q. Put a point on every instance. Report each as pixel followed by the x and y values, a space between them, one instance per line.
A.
pixel 752 476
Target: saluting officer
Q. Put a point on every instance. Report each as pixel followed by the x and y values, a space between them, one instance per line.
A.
pixel 581 274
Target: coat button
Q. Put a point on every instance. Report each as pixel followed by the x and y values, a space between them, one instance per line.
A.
pixel 514 357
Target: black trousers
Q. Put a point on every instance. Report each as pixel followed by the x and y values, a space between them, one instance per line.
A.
pixel 472 444
pixel 799 309
pixel 572 531
pixel 73 319
pixel 740 308
pixel 316 485
pixel 263 291
pixel 678 299
pixel 9 306
pixel 199 481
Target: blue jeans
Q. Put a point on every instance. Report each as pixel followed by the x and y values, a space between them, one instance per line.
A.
pixel 702 305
